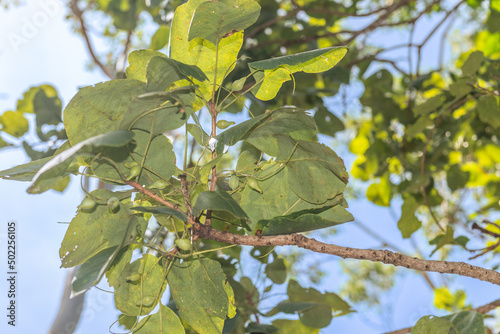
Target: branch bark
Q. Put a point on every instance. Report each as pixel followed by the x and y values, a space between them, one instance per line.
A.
pixel 384 256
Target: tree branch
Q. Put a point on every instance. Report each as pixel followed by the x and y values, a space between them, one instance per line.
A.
pixel 79 15
pixel 384 256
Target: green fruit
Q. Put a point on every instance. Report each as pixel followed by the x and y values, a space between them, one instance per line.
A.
pixel 131 164
pixel 134 171
pixel 234 182
pixel 159 184
pixel 183 244
pixel 113 203
pixel 238 84
pixel 254 184
pixel 133 278
pixel 87 204
pixel 222 124
pixel 148 301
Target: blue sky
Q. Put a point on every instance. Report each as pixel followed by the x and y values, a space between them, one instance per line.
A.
pixel 53 54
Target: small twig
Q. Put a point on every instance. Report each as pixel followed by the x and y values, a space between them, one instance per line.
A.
pixel 185 194
pixel 79 15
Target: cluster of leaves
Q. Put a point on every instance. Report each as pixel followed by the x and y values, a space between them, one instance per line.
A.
pixel 430 139
pixel 284 180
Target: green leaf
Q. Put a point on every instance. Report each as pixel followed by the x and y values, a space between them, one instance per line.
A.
pixel 278 199
pixel 26 103
pixel 99 109
pixel 422 123
pixel 276 271
pixel 127 321
pixel 473 63
pixel 159 112
pixel 430 324
pixel 315 172
pixel 140 297
pixel 213 20
pixel 55 168
pixel 162 72
pixel 489 111
pixel 296 293
pixel 24 172
pixel 160 38
pixel 327 123
pixel 305 222
pixel 197 287
pixel 218 200
pixel 274 72
pixel 430 105
pixel 467 322
pixel 443 239
pixel 138 61
pixel 158 165
pixel 460 88
pixel 318 316
pixel 293 327
pixel 409 223
pixel 198 134
pixel 92 270
pixel 201 52
pixel 291 121
pixel 162 210
pixel 93 231
pixel 456 178
pixel 163 322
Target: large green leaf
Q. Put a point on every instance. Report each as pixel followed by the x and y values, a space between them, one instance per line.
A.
pixel 24 172
pixel 159 162
pixel 140 286
pixel 272 73
pixel 316 173
pixel 213 20
pixel 434 325
pixel 99 109
pixel 95 230
pixel 163 322
pixel 198 289
pixel 296 293
pixel 277 200
pixel 218 200
pixel 91 272
pixel 260 130
pixel 201 52
pixel 56 168
pixel 159 112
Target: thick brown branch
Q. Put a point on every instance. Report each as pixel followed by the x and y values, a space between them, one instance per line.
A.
pixel 384 256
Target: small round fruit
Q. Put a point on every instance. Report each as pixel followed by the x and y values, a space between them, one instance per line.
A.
pixel 234 182
pixel 133 278
pixel 159 184
pixel 183 244
pixel 134 171
pixel 87 204
pixel 222 124
pixel 113 203
pixel 254 184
